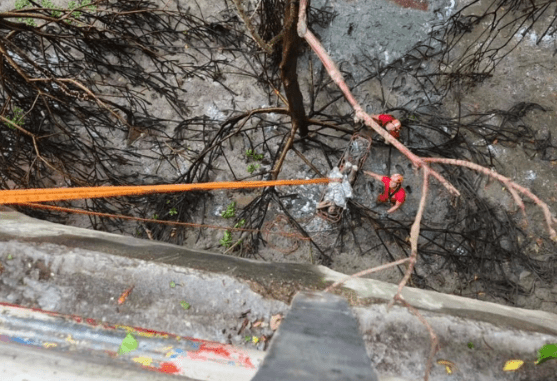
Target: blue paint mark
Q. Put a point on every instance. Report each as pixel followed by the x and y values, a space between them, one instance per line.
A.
pixel 176 352
pixel 194 345
pixel 24 341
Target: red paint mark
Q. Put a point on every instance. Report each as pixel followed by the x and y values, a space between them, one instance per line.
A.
pixel 196 356
pixel 165 367
pixel 245 361
pixel 168 367
pixel 218 349
pixel 421 5
pixel 150 331
pixel 112 354
pixel 91 321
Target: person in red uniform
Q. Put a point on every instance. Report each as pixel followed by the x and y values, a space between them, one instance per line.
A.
pixel 390 123
pixel 394 193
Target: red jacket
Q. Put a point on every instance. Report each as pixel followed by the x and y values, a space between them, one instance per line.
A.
pixel 400 195
pixel 383 119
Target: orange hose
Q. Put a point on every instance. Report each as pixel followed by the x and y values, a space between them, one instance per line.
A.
pixel 18 196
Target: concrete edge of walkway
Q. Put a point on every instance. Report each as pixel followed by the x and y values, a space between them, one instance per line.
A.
pixel 16 226
pixel 499 315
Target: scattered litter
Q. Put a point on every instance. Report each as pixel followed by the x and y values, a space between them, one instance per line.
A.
pixel 275 321
pixel 338 192
pixel 125 295
pixel 243 326
pixel 128 344
pixel 547 352
pixel 513 365
pixel 450 366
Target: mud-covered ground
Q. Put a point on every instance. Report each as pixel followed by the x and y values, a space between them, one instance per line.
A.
pixel 522 76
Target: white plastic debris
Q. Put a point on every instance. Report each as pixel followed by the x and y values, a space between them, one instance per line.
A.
pixel 338 192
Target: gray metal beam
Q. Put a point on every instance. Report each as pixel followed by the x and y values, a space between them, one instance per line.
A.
pixel 318 340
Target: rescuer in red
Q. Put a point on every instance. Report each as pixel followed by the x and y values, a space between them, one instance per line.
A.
pixel 390 123
pixel 394 193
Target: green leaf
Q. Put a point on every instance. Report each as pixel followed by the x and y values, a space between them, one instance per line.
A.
pixel 185 305
pixel 172 284
pixel 252 168
pixel 547 352
pixel 128 344
pixel 226 240
pixel 230 210
pixel 20 4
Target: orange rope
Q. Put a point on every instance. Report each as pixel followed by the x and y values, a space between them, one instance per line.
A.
pixel 20 196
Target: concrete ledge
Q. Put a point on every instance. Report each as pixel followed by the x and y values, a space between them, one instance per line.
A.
pixel 539 321
pixel 276 280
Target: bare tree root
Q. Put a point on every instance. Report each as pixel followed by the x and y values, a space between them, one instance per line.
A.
pixel 366 272
pixel 434 341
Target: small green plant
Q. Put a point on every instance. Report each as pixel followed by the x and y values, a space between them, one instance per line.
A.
pixel 226 239
pixel 155 216
pixel 240 223
pixel 252 154
pixel 85 4
pixel 470 345
pixel 50 5
pixel 252 168
pixel 230 210
pixel 54 10
pixel 21 4
pixel 17 118
pixel 173 212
